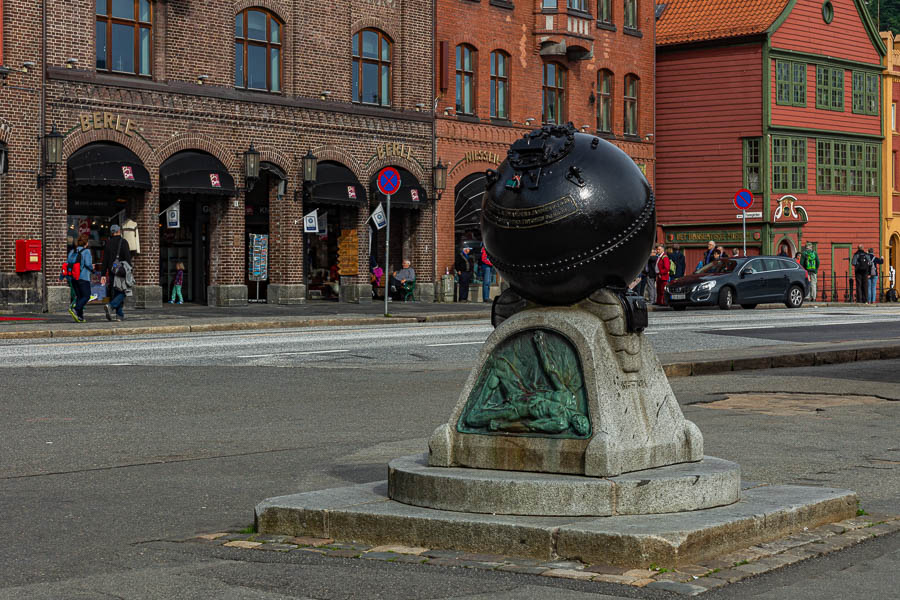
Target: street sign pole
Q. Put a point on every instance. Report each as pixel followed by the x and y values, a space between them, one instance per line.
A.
pixel 387 255
pixel 743 200
pixel 745 231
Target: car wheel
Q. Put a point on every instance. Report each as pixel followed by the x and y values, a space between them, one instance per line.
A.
pixel 679 307
pixel 726 298
pixel 794 297
pixel 748 306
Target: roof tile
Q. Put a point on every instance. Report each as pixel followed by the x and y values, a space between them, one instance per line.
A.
pixel 685 21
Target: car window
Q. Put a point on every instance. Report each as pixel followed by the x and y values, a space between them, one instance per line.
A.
pixel 789 264
pixel 722 265
pixel 773 264
pixel 757 266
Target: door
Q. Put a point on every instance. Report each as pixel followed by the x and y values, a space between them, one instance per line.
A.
pixel 841 271
pixel 777 279
pixel 751 282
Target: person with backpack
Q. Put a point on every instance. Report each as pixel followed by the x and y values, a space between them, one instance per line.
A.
pixel 873 275
pixel 862 265
pixel 487 275
pixel 81 265
pixel 116 254
pixel 810 262
pixel 677 259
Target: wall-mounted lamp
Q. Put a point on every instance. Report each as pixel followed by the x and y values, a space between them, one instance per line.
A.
pixel 251 167
pixel 201 79
pixel 584 128
pixel 71 62
pixel 4 72
pixel 420 106
pixel 649 136
pixel 51 147
pixel 310 166
pixel 448 111
pixel 324 94
pixel 28 66
pixel 440 178
pixel 4 159
pixel 529 120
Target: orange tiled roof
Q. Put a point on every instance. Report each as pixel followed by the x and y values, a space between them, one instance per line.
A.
pixel 686 21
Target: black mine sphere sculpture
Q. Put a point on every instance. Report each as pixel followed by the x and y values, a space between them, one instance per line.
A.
pixel 566 214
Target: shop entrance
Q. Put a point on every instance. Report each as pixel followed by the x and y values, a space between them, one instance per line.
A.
pixel 188 245
pixel 106 184
pixel 256 222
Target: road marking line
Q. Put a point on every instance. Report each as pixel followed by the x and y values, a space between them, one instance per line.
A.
pixel 293 353
pixel 453 344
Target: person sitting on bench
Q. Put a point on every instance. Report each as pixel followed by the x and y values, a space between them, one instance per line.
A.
pixel 398 278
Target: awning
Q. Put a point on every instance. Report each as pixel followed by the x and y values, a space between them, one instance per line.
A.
pixel 410 194
pixel 110 165
pixel 336 184
pixel 469 196
pixel 273 169
pixel 194 172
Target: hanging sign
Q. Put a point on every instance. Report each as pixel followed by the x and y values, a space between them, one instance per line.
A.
pixel 214 180
pixel 127 173
pixel 378 217
pixel 311 222
pixel 414 193
pixel 351 192
pixel 173 216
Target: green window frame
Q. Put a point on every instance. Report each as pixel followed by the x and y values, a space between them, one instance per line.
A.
pixel 849 168
pixel 788 164
pixel 790 83
pixel 830 88
pixel 865 93
pixel 753 164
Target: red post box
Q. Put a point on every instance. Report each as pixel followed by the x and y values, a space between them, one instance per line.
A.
pixel 28 255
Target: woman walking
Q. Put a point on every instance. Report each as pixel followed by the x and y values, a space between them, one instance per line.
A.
pixel 177 283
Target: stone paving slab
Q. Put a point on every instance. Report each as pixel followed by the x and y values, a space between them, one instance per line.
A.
pixel 685 580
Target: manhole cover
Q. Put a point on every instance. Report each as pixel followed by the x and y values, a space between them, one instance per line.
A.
pixel 788 404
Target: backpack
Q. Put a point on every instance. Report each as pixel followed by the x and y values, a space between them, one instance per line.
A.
pixel 863 263
pixel 74 262
pixel 671 267
pixel 810 261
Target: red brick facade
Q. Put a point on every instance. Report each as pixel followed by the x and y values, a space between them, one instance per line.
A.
pixel 174 109
pixel 532 36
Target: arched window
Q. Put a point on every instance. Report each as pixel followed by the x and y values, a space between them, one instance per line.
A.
pixel 631 104
pixel 554 93
pixel 499 85
pixel 604 101
pixel 465 79
pixel 124 36
pixel 257 50
pixel 372 51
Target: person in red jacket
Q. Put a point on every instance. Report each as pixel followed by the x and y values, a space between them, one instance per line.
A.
pixel 662 275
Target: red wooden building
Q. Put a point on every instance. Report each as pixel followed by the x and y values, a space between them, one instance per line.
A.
pixel 780 97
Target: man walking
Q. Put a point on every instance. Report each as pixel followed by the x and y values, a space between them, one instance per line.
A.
pixel 487 275
pixel 810 262
pixel 873 275
pixel 677 258
pixel 710 248
pixel 861 267
pixel 115 253
pixel 463 266
pixel 651 277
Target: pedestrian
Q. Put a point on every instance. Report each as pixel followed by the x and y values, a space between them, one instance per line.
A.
pixel 487 275
pixel 66 275
pixel 662 275
pixel 798 258
pixel 82 267
pixel 399 279
pixel 177 283
pixel 677 258
pixel 116 254
pixel 862 265
pixel 735 252
pixel 810 262
pixel 873 275
pixel 463 266
pixel 651 277
pixel 710 248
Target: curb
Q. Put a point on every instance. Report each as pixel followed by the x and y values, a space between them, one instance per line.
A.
pixel 240 326
pixel 793 359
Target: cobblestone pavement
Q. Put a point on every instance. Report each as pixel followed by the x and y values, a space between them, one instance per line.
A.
pixel 689 580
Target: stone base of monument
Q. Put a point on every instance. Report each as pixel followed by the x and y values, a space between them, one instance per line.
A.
pixel 366 514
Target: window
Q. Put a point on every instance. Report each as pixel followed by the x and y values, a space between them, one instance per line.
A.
pixel 548 4
pixel 752 167
pixel 894 116
pixel 124 33
pixel 604 101
pixel 372 52
pixel 788 164
pixel 604 11
pixel 499 85
pixel 630 20
pixel 829 88
pixel 865 93
pixel 631 104
pixel 554 94
pixel 844 167
pixel 465 80
pixel 790 83
pixel 581 5
pixel 257 50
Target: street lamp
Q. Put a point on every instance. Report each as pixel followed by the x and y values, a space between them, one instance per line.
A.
pixel 251 166
pixel 440 178
pixel 310 166
pixel 51 146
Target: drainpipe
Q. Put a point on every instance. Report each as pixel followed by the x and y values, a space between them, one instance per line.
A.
pixel 434 206
pixel 41 128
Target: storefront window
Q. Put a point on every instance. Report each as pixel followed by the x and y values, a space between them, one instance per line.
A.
pixel 257 50
pixel 123 36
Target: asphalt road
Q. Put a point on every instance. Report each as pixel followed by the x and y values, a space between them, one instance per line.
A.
pixel 102 467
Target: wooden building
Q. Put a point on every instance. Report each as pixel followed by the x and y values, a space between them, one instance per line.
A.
pixel 781 97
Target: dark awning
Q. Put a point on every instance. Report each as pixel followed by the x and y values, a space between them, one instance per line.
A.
pixel 110 165
pixel 469 196
pixel 194 172
pixel 336 184
pixel 410 194
pixel 273 169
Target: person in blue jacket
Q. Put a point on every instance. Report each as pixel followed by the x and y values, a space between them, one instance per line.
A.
pixel 82 257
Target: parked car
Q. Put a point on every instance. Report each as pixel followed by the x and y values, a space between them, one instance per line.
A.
pixel 747 281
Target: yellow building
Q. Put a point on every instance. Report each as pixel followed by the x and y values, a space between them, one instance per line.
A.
pixel 890 195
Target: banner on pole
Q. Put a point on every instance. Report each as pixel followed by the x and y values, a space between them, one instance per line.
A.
pixel 378 217
pixel 311 222
pixel 173 216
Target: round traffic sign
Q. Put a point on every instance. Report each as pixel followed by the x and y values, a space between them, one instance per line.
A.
pixel 388 181
pixel 743 199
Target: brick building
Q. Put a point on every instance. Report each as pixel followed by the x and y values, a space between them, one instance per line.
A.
pixel 780 97
pixel 506 67
pixel 158 102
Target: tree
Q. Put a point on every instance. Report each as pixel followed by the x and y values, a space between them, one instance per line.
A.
pixel 885 14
